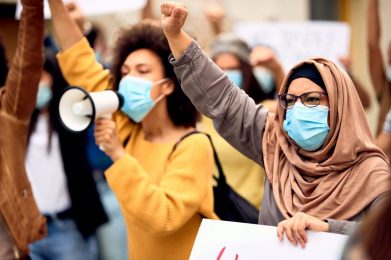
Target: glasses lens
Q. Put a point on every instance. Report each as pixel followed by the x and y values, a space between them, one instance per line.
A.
pixel 289 100
pixel 282 100
pixel 311 99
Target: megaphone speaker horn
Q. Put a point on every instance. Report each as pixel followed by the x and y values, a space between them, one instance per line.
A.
pixel 78 109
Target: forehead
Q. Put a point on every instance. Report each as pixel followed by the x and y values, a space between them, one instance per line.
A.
pixel 143 56
pixel 226 60
pixel 302 85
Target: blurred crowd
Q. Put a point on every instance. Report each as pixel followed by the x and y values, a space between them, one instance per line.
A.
pixel 296 144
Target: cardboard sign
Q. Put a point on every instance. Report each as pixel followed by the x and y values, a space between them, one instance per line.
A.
pixel 94 7
pixel 296 41
pixel 223 240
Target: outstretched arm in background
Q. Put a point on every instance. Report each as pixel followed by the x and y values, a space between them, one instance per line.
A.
pixel 376 67
pixel 215 14
pixel 67 31
pixel 24 74
pixel 173 18
pixel 361 91
pixel 265 57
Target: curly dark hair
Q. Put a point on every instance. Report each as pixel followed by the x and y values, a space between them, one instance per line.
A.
pixel 148 34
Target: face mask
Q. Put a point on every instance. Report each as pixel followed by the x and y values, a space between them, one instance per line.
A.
pixel 235 76
pixel 265 79
pixel 137 97
pixel 307 126
pixel 44 96
pixel 389 73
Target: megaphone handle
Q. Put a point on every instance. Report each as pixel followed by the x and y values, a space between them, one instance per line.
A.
pixel 108 116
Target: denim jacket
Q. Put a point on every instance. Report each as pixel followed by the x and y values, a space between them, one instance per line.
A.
pixel 18 210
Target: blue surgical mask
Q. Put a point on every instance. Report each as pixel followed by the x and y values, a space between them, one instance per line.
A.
pixel 235 76
pixel 44 95
pixel 137 97
pixel 388 73
pixel 265 79
pixel 307 126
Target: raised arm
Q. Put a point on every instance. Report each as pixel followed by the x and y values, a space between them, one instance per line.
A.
pixel 265 57
pixel 67 31
pixel 173 18
pixel 376 67
pixel 361 90
pixel 23 77
pixel 234 114
pixel 77 59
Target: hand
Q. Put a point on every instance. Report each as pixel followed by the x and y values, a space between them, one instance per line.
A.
pixel 295 227
pixel 173 17
pixel 214 12
pixel 106 137
pixel 346 62
pixel 265 57
pixel 76 14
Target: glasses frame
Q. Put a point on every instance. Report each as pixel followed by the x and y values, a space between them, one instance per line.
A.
pixel 280 96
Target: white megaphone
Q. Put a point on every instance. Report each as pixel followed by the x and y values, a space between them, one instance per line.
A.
pixel 78 109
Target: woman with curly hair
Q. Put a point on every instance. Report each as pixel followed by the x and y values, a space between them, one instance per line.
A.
pixel 163 194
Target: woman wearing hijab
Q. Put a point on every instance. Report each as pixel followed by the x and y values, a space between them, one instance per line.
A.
pixel 323 169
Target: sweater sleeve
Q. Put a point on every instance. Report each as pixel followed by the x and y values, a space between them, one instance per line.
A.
pixel 164 207
pixel 80 68
pixel 235 115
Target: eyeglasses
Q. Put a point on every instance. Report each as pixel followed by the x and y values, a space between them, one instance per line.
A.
pixel 309 99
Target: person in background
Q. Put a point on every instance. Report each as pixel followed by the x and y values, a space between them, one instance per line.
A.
pixel 112 242
pixel 323 170
pixel 163 196
pixel 258 73
pixel 61 178
pixel 91 31
pixel 371 241
pixel 361 91
pixel 380 75
pixel 20 220
pixel 232 55
pixel 383 140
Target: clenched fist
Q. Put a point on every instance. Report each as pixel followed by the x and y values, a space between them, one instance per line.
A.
pixel 173 17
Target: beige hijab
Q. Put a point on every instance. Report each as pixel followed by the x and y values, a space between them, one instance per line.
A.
pixel 345 175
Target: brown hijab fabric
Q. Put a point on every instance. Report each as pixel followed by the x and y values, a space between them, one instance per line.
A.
pixel 341 178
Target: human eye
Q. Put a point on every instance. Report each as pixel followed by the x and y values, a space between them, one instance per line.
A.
pixel 311 99
pixel 143 69
pixel 289 100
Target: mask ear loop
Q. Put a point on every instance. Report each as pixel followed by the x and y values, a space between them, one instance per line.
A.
pixel 162 96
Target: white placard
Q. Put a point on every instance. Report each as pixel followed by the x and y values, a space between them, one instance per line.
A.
pixel 296 41
pixel 223 240
pixel 94 7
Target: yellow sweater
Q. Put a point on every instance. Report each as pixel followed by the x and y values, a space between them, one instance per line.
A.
pixel 244 175
pixel 162 199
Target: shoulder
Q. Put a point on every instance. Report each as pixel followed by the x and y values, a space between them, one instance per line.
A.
pixel 194 145
pixel 196 141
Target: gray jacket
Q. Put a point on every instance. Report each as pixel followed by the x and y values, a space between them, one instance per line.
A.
pixel 239 121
